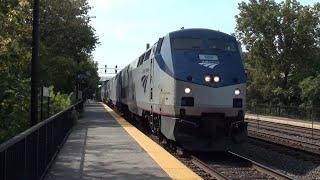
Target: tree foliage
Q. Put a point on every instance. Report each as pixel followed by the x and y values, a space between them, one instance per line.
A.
pixel 15 55
pixel 310 90
pixel 67 40
pixel 282 46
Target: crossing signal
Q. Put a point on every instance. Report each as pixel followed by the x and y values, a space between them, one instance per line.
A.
pixel 116 69
pixel 105 69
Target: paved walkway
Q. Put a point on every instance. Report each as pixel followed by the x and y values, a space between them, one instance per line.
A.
pixel 99 148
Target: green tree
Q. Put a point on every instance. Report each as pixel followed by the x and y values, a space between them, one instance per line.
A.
pixel 15 55
pixel 282 43
pixel 91 79
pixel 67 41
pixel 310 91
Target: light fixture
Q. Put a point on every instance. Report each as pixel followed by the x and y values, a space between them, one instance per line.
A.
pixel 207 78
pixel 216 79
pixel 187 90
pixel 237 92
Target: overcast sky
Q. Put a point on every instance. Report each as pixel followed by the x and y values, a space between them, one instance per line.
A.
pixel 125 26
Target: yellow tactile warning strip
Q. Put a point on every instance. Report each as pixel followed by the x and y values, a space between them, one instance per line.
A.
pixel 173 167
pixel 294 122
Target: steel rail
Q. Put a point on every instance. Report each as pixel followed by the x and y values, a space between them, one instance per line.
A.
pixel 297 132
pixel 208 169
pixel 264 169
pixel 315 139
pixel 282 137
pixel 301 129
pixel 254 165
pixel 291 135
pixel 289 142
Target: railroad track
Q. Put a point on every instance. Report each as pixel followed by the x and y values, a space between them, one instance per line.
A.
pixel 301 138
pixel 233 166
pixel 289 129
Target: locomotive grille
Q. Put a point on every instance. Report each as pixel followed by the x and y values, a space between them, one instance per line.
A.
pixel 187 101
pixel 237 103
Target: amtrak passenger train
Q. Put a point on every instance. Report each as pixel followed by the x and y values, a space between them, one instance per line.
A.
pixel 189 87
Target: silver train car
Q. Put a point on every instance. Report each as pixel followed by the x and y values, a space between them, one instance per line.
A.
pixel 189 87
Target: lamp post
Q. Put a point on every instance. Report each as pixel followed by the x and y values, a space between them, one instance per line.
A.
pixel 35 63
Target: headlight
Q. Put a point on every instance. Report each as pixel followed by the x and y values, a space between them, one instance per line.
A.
pixel 207 78
pixel 216 79
pixel 187 90
pixel 237 92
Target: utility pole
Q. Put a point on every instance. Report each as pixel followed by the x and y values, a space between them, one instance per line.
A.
pixel 77 82
pixel 35 63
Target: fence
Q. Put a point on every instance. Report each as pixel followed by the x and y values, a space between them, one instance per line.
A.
pixel 295 112
pixel 29 154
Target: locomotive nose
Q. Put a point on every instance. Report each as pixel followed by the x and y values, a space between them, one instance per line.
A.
pixel 197 99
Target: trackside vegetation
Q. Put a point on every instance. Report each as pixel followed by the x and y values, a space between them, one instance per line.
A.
pixel 67 40
pixel 282 51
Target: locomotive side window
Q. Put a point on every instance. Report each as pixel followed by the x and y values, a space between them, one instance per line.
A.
pixel 142 57
pixel 139 63
pixel 159 44
pixel 147 55
pixel 154 49
pixel 140 60
pixel 187 43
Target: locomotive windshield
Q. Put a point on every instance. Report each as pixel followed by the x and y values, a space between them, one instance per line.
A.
pixel 209 44
pixel 219 45
pixel 187 43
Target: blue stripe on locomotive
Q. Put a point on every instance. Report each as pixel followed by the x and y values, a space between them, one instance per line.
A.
pixel 230 67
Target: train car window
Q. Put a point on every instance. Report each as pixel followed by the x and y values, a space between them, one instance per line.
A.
pixel 221 45
pixel 141 57
pixel 140 60
pixel 147 56
pixel 187 43
pixel 159 44
pixel 154 49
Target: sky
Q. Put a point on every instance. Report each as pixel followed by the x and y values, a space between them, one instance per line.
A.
pixel 124 27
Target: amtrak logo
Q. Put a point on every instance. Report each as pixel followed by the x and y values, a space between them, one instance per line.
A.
pixel 210 64
pixel 144 81
pixel 209 61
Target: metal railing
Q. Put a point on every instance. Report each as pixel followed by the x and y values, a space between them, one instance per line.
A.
pixel 29 154
pixel 294 112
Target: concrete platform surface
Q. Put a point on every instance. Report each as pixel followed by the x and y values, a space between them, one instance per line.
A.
pixel 100 148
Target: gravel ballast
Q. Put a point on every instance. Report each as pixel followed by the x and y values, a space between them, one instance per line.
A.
pixel 295 163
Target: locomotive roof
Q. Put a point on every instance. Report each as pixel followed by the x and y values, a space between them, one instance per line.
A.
pixel 200 33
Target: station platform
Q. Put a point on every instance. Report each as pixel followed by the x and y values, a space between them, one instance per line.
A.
pixel 282 120
pixel 103 145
